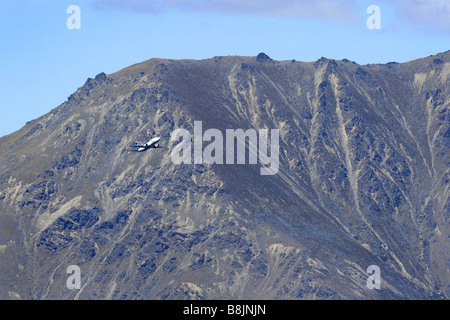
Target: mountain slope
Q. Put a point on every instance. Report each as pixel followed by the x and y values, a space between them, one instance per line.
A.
pixel 362 180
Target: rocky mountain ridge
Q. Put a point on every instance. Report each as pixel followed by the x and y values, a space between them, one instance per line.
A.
pixel 363 180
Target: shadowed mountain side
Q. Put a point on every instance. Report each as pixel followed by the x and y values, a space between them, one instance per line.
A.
pixel 362 180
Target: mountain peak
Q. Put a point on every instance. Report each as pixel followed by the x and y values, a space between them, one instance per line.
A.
pixel 263 58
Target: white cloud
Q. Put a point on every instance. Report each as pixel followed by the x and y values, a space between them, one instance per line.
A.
pixel 144 6
pixel 335 10
pixel 434 14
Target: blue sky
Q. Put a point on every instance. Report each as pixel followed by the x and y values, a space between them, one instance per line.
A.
pixel 42 62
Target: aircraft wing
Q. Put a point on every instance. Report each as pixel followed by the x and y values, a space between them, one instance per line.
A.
pixel 137 146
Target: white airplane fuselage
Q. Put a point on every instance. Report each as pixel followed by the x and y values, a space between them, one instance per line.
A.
pixel 153 143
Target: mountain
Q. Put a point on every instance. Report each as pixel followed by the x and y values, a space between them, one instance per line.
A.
pixel 363 180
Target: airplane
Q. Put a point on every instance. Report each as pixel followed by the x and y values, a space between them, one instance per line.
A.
pixel 153 143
